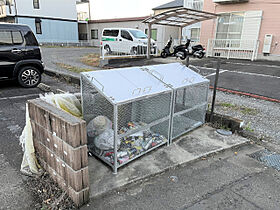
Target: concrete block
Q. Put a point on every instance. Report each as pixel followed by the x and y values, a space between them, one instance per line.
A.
pixel 83 131
pixel 73 135
pixel 77 197
pixel 84 156
pixel 57 146
pixel 74 179
pixel 56 128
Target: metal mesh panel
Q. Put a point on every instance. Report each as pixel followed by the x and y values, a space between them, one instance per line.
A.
pixel 94 104
pixel 143 125
pixel 187 121
pixel 190 96
pixel 145 111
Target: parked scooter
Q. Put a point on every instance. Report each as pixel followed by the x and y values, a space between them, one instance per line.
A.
pixel 182 51
pixel 196 51
pixel 178 51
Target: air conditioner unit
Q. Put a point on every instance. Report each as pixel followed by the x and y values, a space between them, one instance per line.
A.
pixel 229 1
pixel 267 43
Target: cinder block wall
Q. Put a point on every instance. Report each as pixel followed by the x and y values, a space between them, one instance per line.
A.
pixel 60 141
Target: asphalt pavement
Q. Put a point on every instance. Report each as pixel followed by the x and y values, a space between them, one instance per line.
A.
pixel 230 180
pixel 261 78
pixel 13 192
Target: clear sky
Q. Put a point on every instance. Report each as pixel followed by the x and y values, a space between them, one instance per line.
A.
pixel 105 9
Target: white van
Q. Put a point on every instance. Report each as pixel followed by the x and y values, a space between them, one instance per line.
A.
pixel 126 40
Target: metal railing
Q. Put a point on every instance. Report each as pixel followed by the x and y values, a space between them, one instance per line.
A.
pixel 123 50
pixel 80 43
pixel 6 10
pixel 232 48
pixel 196 5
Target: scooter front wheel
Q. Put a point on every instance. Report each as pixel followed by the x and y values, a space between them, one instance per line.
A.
pixel 201 55
pixel 163 54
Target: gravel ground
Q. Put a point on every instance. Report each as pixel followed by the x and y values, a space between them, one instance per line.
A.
pixel 47 194
pixel 261 117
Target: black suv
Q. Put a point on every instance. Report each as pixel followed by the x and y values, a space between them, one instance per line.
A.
pixel 20 55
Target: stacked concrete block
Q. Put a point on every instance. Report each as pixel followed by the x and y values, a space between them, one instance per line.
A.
pixel 60 141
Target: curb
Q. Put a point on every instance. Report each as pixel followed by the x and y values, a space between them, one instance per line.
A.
pixel 61 75
pixel 247 94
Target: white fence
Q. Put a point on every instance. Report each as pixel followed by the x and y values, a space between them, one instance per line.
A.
pixel 125 50
pixel 80 43
pixel 230 48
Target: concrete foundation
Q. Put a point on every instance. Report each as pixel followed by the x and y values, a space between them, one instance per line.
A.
pixel 199 143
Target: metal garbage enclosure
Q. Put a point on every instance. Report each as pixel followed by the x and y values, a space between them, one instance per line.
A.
pixel 138 106
pixel 190 96
pixel 142 108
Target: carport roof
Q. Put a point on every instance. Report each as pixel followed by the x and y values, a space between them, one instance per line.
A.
pixel 180 17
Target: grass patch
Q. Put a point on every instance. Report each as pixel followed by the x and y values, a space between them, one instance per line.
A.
pixel 243 109
pixel 72 68
pixel 226 105
pixel 91 60
pixel 248 111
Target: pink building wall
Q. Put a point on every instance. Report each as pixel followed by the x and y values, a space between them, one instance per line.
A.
pixel 270 23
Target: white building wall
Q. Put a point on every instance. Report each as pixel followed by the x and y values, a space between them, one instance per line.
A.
pixel 64 9
pixel 163 32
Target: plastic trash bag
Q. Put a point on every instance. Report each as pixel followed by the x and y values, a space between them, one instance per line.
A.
pixel 67 102
pixel 100 129
pixel 29 165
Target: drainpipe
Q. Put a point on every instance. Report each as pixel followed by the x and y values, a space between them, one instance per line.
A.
pixel 16 13
pixel 89 18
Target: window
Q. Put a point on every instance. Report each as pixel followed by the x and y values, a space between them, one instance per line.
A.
pixel 126 35
pixel 17 37
pixel 94 34
pixel 36 4
pixel 38 26
pixel 6 38
pixel 10 38
pixel 195 34
pixel 113 33
pixel 154 34
pixel 230 26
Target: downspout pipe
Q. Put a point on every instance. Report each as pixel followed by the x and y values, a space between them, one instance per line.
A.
pixel 16 12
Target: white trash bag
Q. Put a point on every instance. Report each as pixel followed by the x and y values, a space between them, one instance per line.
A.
pixel 100 128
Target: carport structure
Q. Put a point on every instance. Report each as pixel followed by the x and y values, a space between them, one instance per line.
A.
pixel 180 18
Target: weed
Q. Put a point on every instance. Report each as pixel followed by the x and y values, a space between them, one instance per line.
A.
pixel 91 60
pixel 248 111
pixel 72 68
pixel 229 105
pixel 248 127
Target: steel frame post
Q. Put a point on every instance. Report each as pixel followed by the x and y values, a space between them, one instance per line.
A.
pixel 149 41
pixel 215 89
pixel 115 139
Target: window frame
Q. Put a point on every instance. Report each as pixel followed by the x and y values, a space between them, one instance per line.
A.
pixel 154 33
pixel 92 34
pixel 40 27
pixel 12 38
pixel 126 38
pixel 111 32
pixel 36 4
pixel 197 38
pixel 228 32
